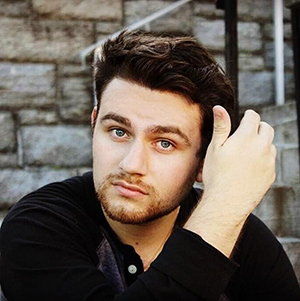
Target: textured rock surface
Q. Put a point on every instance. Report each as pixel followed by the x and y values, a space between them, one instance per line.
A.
pixel 75 100
pixel 26 84
pixel 7 134
pixel 270 55
pixel 37 117
pixel 14 184
pixel 180 19
pixel 84 9
pixel 290 166
pixel 57 145
pixel 15 8
pixel 211 34
pixel 280 211
pixel 44 40
pixel 256 88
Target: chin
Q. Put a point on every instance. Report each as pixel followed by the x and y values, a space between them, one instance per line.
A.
pixel 131 215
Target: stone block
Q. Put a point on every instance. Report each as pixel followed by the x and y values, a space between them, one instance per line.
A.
pixel 57 145
pixel 14 8
pixel 44 40
pixel 247 62
pixel 270 55
pixel 290 166
pixel 250 36
pixel 108 27
pixel 280 211
pixel 268 31
pixel 36 117
pixel 24 85
pixel 256 88
pixel 207 10
pixel 257 10
pixel 14 183
pixel 7 132
pixel 84 9
pixel 8 160
pixel 72 70
pixel 289 82
pixel 212 34
pixel 278 180
pixel 279 114
pixel 250 62
pixel 286 133
pixel 178 20
pixel 76 101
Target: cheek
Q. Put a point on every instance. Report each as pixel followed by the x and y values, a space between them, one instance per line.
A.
pixel 106 155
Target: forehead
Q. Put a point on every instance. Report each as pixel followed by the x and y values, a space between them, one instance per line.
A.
pixel 144 107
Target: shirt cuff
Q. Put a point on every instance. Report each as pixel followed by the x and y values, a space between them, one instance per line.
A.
pixel 195 264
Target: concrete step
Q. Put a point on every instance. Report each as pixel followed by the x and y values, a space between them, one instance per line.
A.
pixel 275 115
pixel 280 210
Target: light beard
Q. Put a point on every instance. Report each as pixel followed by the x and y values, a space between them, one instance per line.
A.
pixel 154 207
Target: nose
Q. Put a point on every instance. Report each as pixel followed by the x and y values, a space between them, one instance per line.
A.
pixel 135 160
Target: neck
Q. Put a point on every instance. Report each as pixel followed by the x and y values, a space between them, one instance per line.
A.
pixel 147 239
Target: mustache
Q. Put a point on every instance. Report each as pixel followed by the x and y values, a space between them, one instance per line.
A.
pixel 130 179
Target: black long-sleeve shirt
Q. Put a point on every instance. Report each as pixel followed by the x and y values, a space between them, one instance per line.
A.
pixel 56 245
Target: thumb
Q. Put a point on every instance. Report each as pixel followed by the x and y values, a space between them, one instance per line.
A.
pixel 222 126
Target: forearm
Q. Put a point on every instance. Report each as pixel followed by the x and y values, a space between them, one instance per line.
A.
pixel 219 228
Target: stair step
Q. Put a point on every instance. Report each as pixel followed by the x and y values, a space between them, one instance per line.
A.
pixel 279 114
pixel 280 210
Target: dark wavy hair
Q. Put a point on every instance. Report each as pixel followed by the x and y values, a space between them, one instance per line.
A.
pixel 166 62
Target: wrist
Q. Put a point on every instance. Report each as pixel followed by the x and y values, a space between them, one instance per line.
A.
pixel 217 224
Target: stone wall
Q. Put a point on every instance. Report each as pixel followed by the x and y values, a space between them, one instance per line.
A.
pixel 45 96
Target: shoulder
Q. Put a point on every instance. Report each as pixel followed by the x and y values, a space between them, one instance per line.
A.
pixel 69 203
pixel 69 192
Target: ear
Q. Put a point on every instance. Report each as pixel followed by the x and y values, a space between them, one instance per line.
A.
pixel 93 117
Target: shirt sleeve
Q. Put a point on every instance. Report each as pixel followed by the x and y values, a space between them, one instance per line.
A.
pixel 46 254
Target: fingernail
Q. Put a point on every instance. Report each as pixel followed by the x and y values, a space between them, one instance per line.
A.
pixel 217 114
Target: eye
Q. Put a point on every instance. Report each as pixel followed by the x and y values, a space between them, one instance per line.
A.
pixel 165 145
pixel 118 133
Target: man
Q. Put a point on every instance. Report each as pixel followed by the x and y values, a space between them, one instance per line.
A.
pixel 134 229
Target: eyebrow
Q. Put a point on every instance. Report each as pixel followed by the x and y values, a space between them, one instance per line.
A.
pixel 118 118
pixel 153 129
pixel 160 129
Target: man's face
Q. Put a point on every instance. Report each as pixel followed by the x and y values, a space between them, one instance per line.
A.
pixel 145 148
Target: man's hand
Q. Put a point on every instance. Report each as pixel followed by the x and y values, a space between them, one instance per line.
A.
pixel 238 171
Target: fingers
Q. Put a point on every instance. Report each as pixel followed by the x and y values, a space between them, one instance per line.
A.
pixel 222 126
pixel 266 132
pixel 250 122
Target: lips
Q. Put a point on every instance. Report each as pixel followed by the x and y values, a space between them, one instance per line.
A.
pixel 129 190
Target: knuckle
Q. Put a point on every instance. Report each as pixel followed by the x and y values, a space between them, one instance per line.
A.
pixel 252 113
